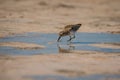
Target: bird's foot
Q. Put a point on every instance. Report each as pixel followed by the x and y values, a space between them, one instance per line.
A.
pixel 59 40
pixel 69 40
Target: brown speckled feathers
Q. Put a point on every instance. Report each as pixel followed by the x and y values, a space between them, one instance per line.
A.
pixel 68 30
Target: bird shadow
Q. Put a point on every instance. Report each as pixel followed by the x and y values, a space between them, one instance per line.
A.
pixel 69 47
pixel 65 49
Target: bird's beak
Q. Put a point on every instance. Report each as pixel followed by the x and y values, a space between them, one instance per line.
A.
pixel 58 38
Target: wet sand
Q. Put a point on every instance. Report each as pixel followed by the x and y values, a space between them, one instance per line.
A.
pixel 108 45
pixel 21 45
pixel 69 65
pixel 50 16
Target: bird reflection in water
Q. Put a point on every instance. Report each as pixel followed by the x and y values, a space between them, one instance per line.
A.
pixel 65 49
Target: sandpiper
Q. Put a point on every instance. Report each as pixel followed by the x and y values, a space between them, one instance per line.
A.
pixel 69 30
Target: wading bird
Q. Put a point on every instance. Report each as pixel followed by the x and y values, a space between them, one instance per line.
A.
pixel 70 31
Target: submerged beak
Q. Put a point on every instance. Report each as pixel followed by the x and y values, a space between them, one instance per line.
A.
pixel 58 38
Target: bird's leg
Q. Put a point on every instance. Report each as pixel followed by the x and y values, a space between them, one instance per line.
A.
pixel 71 37
pixel 59 38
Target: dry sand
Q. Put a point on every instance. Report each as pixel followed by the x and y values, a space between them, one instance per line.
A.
pixel 50 16
pixel 18 16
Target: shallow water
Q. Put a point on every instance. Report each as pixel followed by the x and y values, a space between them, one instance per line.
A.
pixel 81 42
pixel 90 77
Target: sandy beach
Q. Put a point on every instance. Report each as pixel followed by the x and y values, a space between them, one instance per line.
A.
pixel 19 16
pixel 50 16
pixel 70 65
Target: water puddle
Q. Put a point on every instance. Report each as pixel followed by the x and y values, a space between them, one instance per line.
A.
pixel 90 77
pixel 81 42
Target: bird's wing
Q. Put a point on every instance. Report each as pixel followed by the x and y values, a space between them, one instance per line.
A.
pixel 68 27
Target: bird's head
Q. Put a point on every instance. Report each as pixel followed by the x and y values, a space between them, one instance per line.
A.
pixel 64 33
pixel 61 33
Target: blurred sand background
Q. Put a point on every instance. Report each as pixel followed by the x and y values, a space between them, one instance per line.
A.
pixel 50 16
